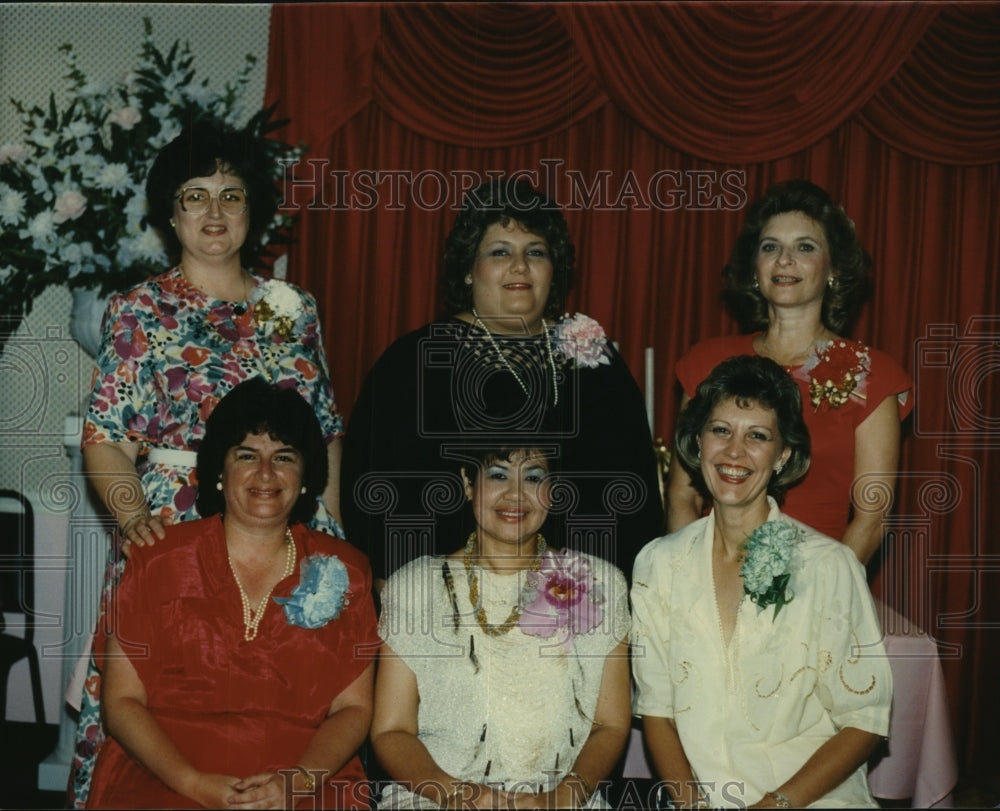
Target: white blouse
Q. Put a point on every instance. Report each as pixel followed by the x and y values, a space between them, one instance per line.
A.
pixel 750 714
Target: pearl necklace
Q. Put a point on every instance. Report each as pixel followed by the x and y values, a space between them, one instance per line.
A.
pixel 503 358
pixel 252 617
pixel 475 598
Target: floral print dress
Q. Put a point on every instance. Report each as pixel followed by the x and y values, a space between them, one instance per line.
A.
pixel 168 354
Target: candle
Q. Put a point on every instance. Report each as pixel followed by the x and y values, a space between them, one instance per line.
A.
pixel 649 386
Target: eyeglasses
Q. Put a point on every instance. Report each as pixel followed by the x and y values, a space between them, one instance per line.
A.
pixel 196 200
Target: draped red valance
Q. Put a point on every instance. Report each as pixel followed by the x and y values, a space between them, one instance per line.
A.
pixel 732 82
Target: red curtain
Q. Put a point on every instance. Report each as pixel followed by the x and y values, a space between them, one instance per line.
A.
pixel 654 125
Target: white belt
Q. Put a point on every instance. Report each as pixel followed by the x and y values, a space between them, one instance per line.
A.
pixel 173 458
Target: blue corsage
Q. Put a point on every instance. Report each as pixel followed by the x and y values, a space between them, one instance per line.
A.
pixel 321 592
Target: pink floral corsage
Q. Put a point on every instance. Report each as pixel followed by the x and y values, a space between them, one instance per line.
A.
pixel 563 598
pixel 581 339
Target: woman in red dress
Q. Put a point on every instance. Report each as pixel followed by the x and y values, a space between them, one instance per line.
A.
pixel 795 281
pixel 238 656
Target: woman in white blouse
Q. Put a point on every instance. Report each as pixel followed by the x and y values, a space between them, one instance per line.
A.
pixel 503 678
pixel 760 673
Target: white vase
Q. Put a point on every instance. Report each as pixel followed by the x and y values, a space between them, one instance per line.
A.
pixel 85 318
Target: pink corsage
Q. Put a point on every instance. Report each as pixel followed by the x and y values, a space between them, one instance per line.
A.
pixel 563 598
pixel 581 340
pixel 838 370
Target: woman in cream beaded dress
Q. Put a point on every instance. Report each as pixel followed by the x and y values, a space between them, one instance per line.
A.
pixel 503 679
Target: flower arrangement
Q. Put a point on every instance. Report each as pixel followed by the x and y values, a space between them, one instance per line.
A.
pixel 837 370
pixel 277 310
pixel 72 197
pixel 770 557
pixel 581 339
pixel 321 593
pixel 562 596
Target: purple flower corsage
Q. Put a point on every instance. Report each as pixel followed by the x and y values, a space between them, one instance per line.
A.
pixel 563 598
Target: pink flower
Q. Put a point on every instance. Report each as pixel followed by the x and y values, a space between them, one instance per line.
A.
pixel 69 205
pixel 126 117
pixel 567 598
pixel 14 153
pixel 582 340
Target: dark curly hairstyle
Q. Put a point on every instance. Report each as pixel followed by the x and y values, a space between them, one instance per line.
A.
pixel 202 149
pixel 750 380
pixel 506 200
pixel 258 407
pixel 850 263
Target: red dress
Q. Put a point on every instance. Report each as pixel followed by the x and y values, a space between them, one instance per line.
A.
pixel 822 499
pixel 231 706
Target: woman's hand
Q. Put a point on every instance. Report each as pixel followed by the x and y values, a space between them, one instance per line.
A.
pixel 564 795
pixel 265 790
pixel 479 795
pixel 142 530
pixel 211 790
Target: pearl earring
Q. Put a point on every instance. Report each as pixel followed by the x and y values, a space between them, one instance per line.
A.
pixel 218 485
pixel 831 282
pixel 172 223
pixel 778 468
pixel 303 490
pixel 468 278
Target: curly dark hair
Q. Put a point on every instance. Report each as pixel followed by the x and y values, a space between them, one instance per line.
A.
pixel 749 379
pixel 850 263
pixel 506 200
pixel 202 149
pixel 258 407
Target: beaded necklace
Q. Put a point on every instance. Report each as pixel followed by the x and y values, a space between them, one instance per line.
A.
pixel 252 617
pixel 475 598
pixel 503 358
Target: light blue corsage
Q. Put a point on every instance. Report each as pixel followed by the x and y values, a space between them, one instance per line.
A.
pixel 321 592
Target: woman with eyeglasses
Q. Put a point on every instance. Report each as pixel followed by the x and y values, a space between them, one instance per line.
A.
pixel 174 345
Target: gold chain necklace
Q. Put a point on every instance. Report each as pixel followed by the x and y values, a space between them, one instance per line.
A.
pixel 475 598
pixel 503 358
pixel 251 617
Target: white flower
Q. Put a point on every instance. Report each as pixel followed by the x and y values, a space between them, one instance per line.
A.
pixel 93 90
pixel 11 206
pixel 114 177
pixel 80 129
pixel 45 139
pixel 73 253
pixel 200 95
pixel 41 228
pixel 148 245
pixel 283 299
pixel 277 309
